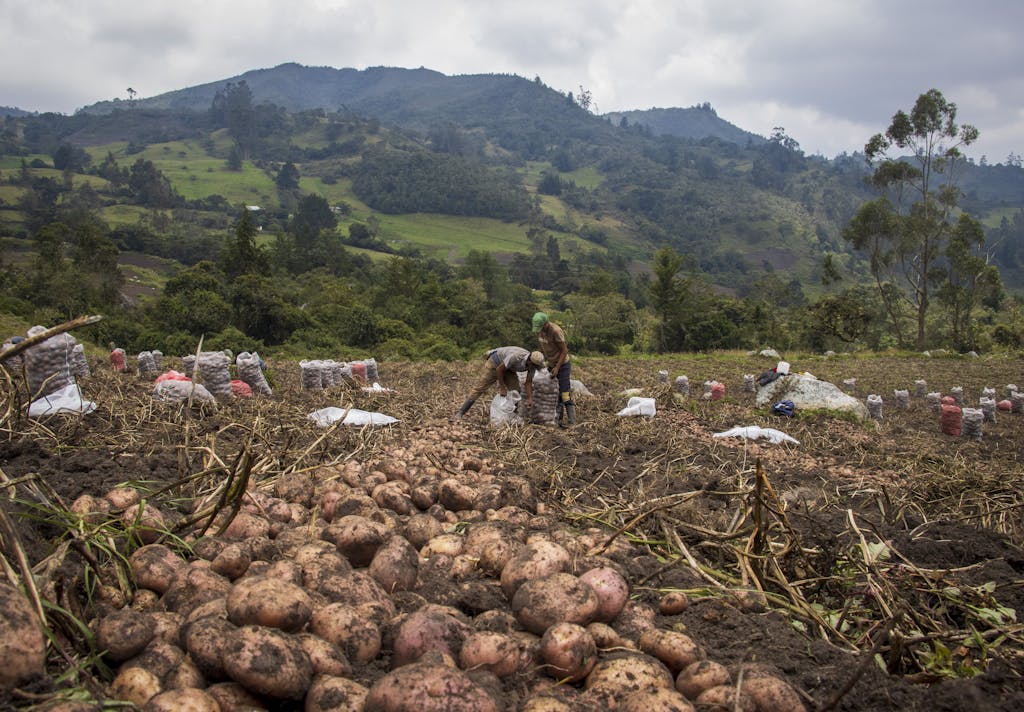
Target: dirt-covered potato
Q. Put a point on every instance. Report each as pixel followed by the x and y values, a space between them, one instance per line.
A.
pixel 661 699
pixel 556 598
pixel 723 698
pixel 612 591
pixel 330 693
pixel 493 544
pixel 421 528
pixel 428 687
pixel 135 685
pixel 183 700
pixel 677 650
pixel 187 674
pixel 22 645
pixel 634 619
pixel 268 662
pixel 772 694
pixel 568 651
pixel 124 633
pixel 145 521
pixel 673 603
pixel 702 675
pixel 274 603
pixel 443 545
pixel 193 586
pixel 206 643
pixel 396 565
pixel 91 509
pixel 623 673
pixel 486 650
pixel 456 495
pixel 350 628
pixel 245 526
pixel 232 697
pixel 326 657
pixel 356 537
pixel 425 630
pixel 536 559
pixel 154 566
pixel 232 561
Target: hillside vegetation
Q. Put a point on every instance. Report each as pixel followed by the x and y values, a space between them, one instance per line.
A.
pixel 479 198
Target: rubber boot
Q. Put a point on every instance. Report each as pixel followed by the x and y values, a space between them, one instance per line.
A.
pixel 462 409
pixel 570 412
pixel 558 420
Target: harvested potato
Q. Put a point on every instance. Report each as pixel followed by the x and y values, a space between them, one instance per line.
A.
pixel 568 651
pixel 622 673
pixel 124 633
pixel 427 687
pixel 154 566
pixel 673 603
pixel 702 675
pixel 330 693
pixel 183 700
pixel 187 674
pixel 456 495
pixel 611 589
pixel 772 694
pixel 493 544
pixel 206 642
pixel 421 528
pixel 396 565
pixel 232 561
pixel 232 697
pixel 298 487
pixel 662 699
pixel 443 545
pixel 675 649
pixel 159 658
pixel 326 657
pixel 556 598
pixel 350 628
pixel 274 603
pixel 485 650
pixel 546 703
pixel 605 636
pixel 426 630
pixel 193 586
pixel 536 559
pixel 92 510
pixel 633 620
pixel 723 698
pixel 123 497
pixel 144 521
pixel 244 526
pixel 267 662
pixel 135 685
pixel 356 537
pixel 22 645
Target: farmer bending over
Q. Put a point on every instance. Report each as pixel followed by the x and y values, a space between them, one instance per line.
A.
pixel 501 366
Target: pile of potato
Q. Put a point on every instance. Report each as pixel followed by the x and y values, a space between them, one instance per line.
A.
pixel 424 581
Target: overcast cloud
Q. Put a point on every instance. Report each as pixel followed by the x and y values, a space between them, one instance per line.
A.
pixel 830 72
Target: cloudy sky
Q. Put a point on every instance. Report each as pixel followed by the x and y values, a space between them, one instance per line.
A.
pixel 830 72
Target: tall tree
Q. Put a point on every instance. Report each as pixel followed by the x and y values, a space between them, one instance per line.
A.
pixel 970 280
pixel 241 255
pixel 906 229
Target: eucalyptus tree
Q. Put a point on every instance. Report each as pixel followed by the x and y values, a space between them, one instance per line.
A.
pixel 904 232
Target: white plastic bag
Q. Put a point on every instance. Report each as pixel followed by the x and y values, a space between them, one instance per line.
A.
pixel 753 432
pixel 66 400
pixel 325 417
pixel 639 406
pixel 503 409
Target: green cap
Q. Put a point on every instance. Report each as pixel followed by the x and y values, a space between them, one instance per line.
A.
pixel 539 320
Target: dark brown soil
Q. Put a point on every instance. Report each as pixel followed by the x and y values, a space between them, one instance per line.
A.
pixel 948 509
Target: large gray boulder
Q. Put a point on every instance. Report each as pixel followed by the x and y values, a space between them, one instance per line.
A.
pixel 808 393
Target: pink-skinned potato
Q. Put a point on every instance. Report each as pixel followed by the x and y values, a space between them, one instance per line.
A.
pixel 270 602
pixel 427 630
pixel 396 565
pixel 661 699
pixel 677 650
pixel 568 651
pixel 612 591
pixel 723 698
pixel 330 693
pixel 154 566
pixel 429 687
pixel 232 697
pixel 183 700
pixel 533 561
pixel 124 633
pixel 356 537
pixel 22 645
pixel 700 676
pixel 326 657
pixel 486 650
pixel 556 598
pixel 350 628
pixel 268 662
pixel 773 694
pixel 623 673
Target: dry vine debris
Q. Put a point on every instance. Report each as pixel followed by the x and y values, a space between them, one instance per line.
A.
pixel 878 565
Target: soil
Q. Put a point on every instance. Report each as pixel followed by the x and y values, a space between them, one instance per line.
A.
pixel 943 516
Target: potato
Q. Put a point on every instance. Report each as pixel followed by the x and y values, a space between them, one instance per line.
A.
pixel 673 603
pixel 144 521
pixel 205 641
pixel 267 662
pixel 556 598
pixel 622 673
pixel 605 636
pixel 184 700
pixel 455 495
pixel 123 497
pixel 546 703
pixel 702 675
pixel 633 620
pixel 568 651
pixel 675 649
pixel 124 633
pixel 232 561
pixel 722 698
pixel 193 586
pixel 135 685
pixel 159 658
pixel 22 645
pixel 496 652
pixel 421 528
pixel 493 544
pixel 393 496
pixel 92 510
pixel 443 545
pixel 168 626
pixel 269 602
pixel 187 674
pixel 427 687
pixel 661 699
pixel 611 589
pixel 355 589
pixel 495 621
pixel 426 630
pixel 326 657
pixel 296 487
pixel 330 693
pixel 232 697
pixel 772 694
pixel 356 537
pixel 154 566
pixel 244 526
pixel 536 559
pixel 395 566
pixel 349 628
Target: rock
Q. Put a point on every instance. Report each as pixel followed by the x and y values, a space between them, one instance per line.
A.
pixel 770 353
pixel 808 393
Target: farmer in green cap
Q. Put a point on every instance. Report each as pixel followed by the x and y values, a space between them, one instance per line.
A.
pixel 556 354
